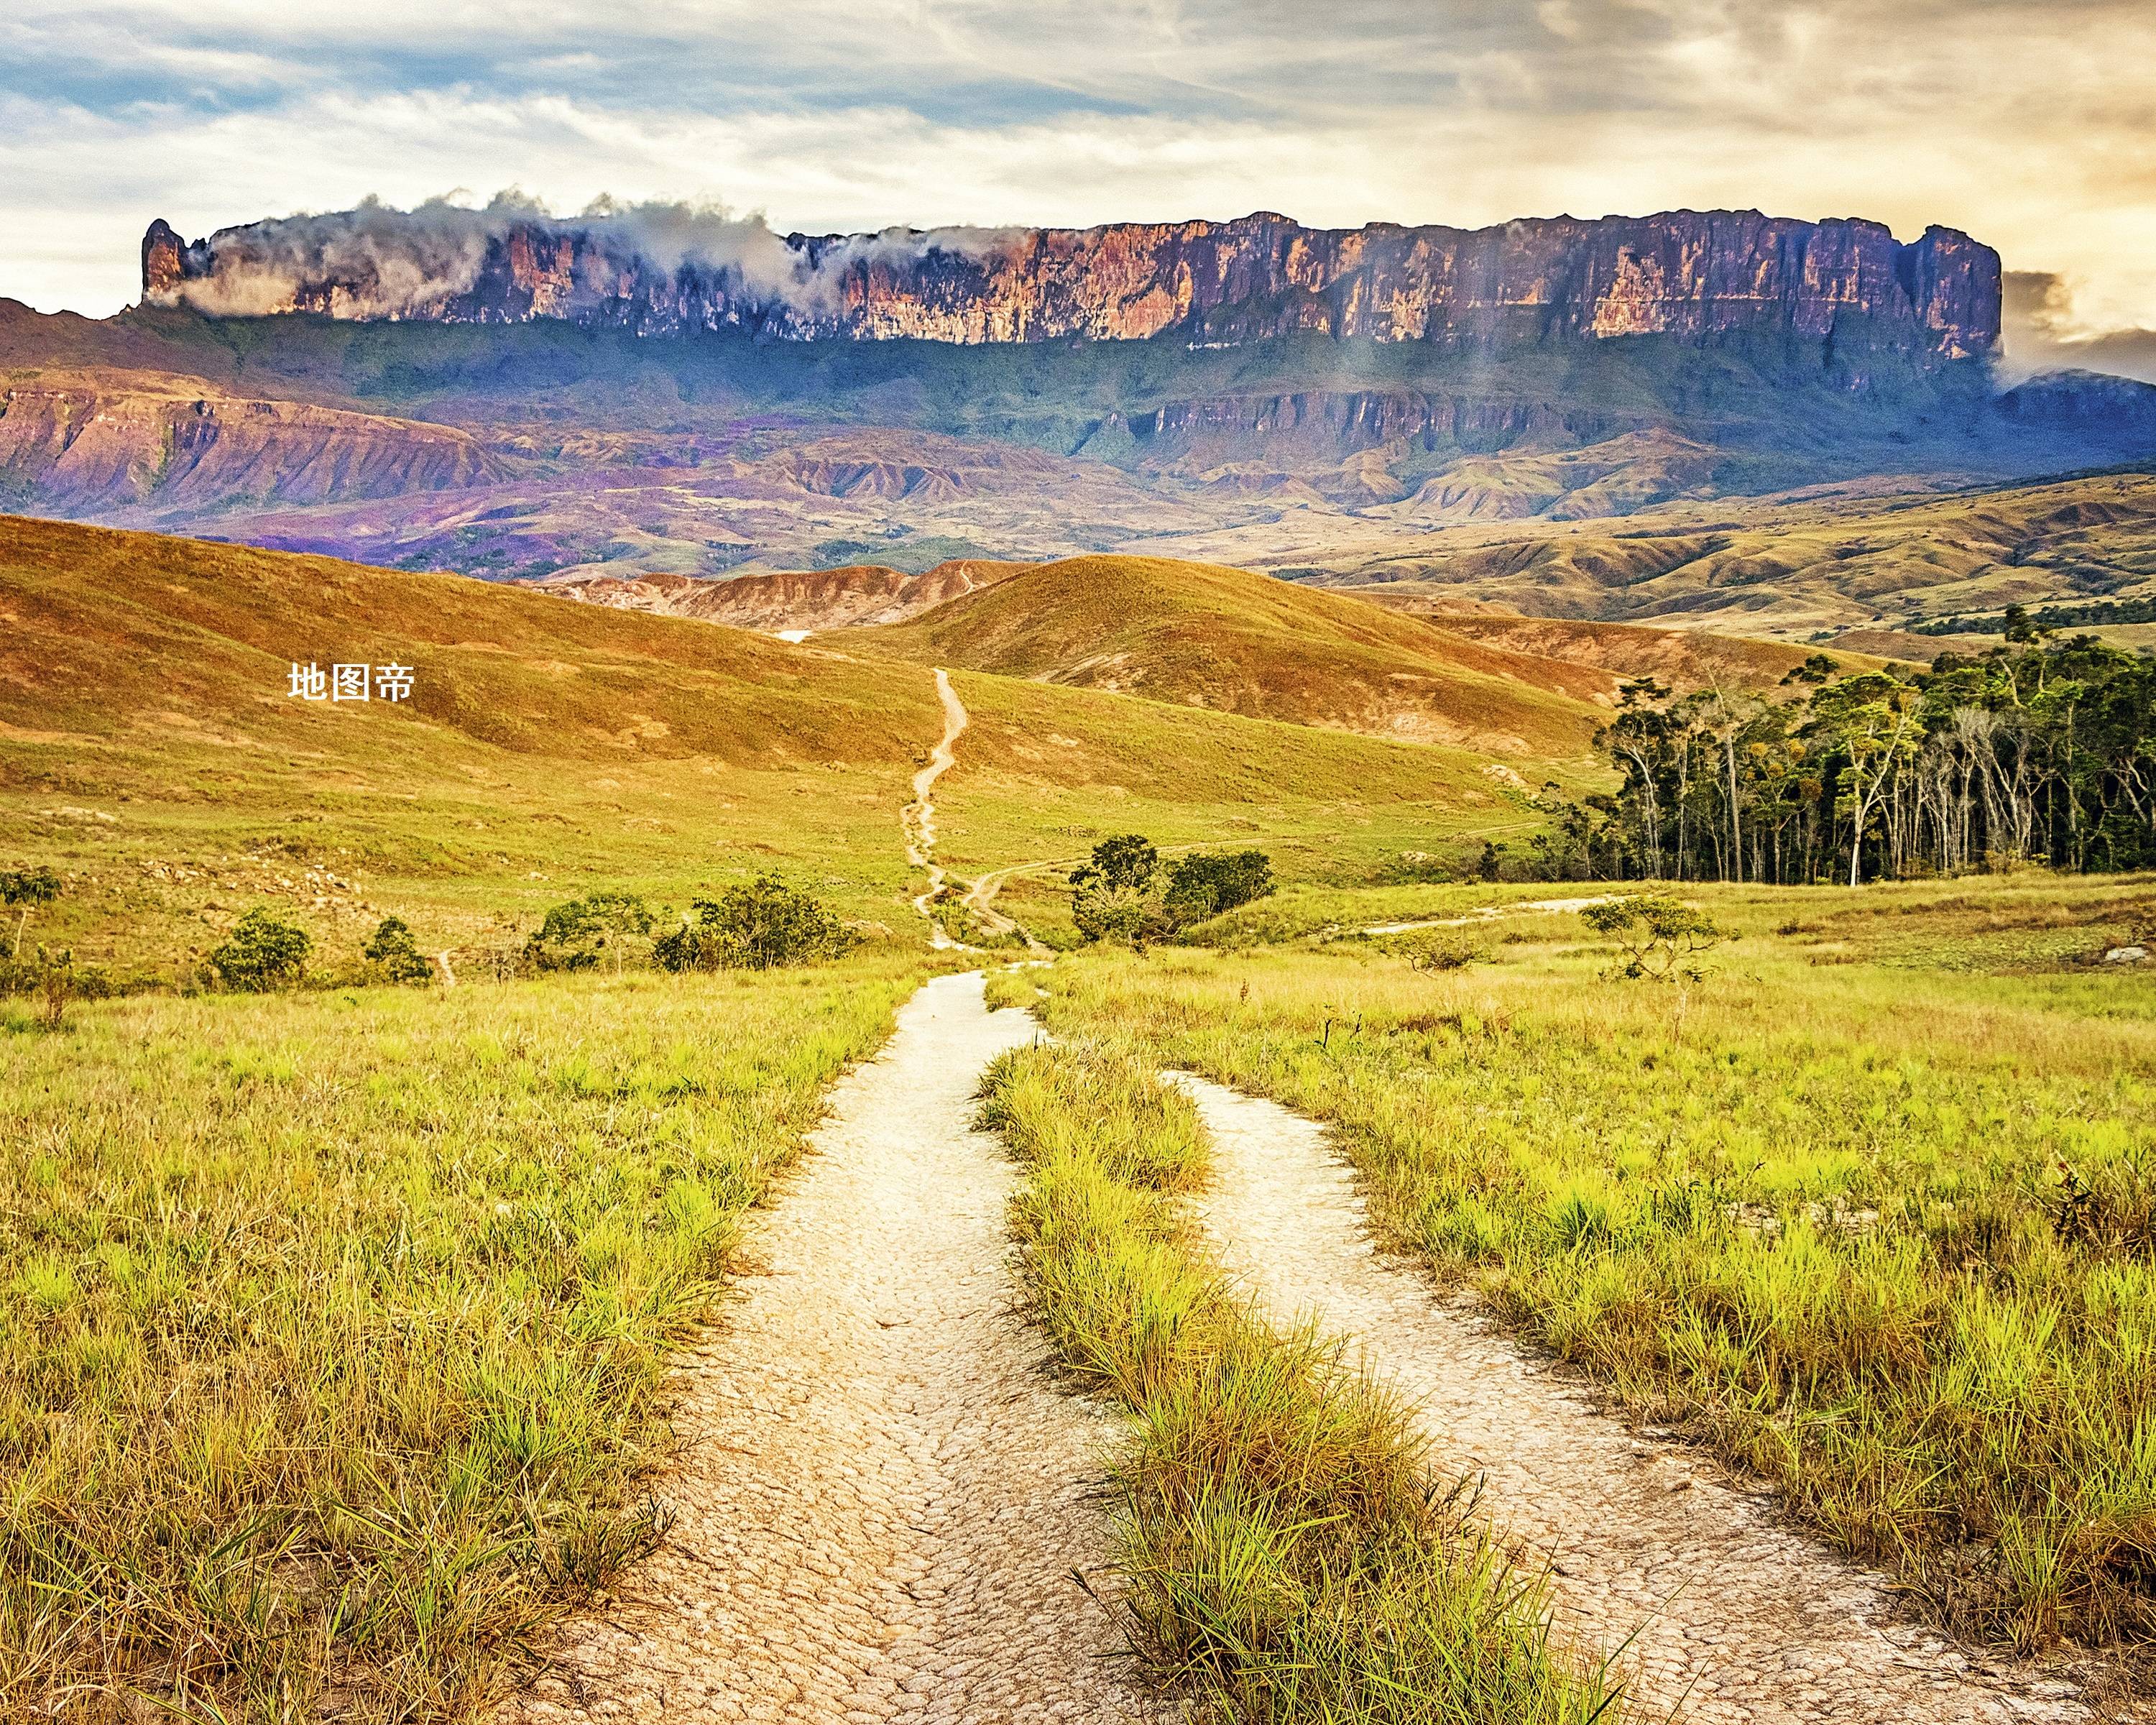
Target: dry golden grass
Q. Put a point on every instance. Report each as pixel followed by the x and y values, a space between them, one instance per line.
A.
pixel 1200 634
pixel 1874 1206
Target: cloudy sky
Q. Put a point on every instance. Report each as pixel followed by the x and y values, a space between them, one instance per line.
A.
pixel 2030 123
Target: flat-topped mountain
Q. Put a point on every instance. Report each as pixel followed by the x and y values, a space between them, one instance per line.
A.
pixel 1696 275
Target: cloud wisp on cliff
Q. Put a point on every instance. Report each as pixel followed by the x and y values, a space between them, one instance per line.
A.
pixel 2024 121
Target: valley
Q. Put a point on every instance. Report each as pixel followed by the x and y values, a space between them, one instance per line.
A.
pixel 1036 973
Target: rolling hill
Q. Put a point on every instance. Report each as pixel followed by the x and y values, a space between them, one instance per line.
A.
pixel 150 748
pixel 1797 569
pixel 1684 659
pixel 809 601
pixel 1225 639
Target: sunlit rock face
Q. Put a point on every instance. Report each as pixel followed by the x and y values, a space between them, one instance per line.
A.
pixel 1697 276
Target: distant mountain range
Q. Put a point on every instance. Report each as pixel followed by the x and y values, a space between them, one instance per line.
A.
pixel 1697 276
pixel 603 400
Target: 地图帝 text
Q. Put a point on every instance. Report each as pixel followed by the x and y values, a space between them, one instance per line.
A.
pixel 349 682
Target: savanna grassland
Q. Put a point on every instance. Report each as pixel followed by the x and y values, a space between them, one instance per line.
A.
pixel 1871 1207
pixel 151 753
pixel 335 1320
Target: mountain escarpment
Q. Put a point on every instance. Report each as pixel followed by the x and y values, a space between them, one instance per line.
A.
pixel 1696 276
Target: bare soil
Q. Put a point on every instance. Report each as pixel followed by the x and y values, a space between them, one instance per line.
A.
pixel 882 1502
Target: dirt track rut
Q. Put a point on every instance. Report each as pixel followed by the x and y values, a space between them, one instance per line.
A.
pixel 881 1497
pixel 1738 1618
pixel 918 820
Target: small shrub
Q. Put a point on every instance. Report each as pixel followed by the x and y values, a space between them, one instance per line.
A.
pixel 394 951
pixel 58 979
pixel 23 890
pixel 758 926
pixel 1133 914
pixel 262 953
pixel 1201 886
pixel 574 935
pixel 1435 949
pixel 1659 939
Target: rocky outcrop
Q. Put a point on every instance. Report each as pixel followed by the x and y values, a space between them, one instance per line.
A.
pixel 115 441
pixel 1699 277
pixel 809 601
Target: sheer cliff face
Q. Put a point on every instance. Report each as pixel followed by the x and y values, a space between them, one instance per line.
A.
pixel 1694 276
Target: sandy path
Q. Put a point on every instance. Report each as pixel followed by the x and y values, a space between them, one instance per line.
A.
pixel 918 820
pixel 981 900
pixel 1491 913
pixel 1739 1618
pixel 880 1496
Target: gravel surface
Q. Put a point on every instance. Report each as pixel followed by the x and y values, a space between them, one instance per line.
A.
pixel 882 1498
pixel 1737 1616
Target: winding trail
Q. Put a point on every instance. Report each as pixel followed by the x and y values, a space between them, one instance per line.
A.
pixel 1492 913
pixel 918 820
pixel 881 1498
pixel 1737 1616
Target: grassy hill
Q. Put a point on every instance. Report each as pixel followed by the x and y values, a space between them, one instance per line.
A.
pixel 1792 568
pixel 149 749
pixel 1202 635
pixel 1686 659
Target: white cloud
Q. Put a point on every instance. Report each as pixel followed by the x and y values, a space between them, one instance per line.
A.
pixel 2028 124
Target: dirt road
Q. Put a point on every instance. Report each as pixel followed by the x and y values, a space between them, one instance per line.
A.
pixel 881 1497
pixel 1738 1617
pixel 918 820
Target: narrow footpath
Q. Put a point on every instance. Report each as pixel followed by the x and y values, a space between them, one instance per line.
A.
pixel 918 820
pixel 1737 1617
pixel 882 1500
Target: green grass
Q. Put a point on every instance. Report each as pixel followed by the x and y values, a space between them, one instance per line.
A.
pixel 1284 1553
pixel 333 1324
pixel 1873 1207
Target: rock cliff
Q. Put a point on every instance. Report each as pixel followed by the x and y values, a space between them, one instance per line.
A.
pixel 131 441
pixel 1698 277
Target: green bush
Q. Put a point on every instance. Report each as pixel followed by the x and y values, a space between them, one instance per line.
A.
pixel 1121 894
pixel 396 953
pixel 1203 885
pixel 575 934
pixel 758 927
pixel 262 953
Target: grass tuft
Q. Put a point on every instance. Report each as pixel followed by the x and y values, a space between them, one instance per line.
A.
pixel 1286 1552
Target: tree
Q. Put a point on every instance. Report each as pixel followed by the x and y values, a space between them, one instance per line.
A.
pixel 262 953
pixel 1874 719
pixel 1202 884
pixel 1659 938
pixel 23 890
pixel 574 934
pixel 1129 859
pixel 1138 915
pixel 758 926
pixel 1122 893
pixel 393 949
